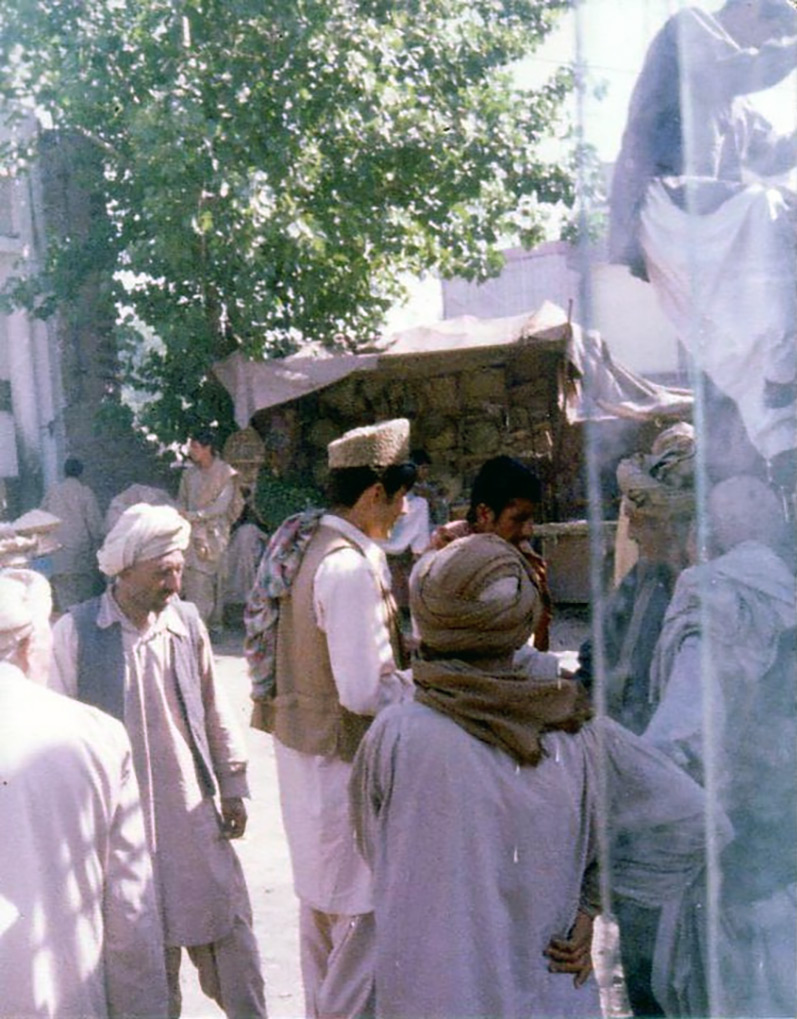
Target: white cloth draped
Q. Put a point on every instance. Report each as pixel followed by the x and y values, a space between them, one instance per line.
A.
pixel 726 280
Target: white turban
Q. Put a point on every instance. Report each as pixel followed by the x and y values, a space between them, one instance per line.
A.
pixel 25 598
pixel 143 532
pixel 743 508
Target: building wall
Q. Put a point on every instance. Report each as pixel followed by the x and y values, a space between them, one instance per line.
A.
pixel 623 309
pixel 55 375
pixel 31 431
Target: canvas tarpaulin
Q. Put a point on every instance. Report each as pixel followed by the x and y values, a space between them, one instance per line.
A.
pixel 594 386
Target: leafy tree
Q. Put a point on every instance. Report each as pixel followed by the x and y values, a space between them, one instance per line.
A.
pixel 271 170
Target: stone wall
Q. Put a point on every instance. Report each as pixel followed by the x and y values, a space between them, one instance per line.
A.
pixel 464 409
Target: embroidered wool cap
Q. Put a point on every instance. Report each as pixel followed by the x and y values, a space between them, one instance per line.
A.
pixel 377 446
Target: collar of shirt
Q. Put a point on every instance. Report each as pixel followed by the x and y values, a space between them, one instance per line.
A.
pixel 169 619
pixel 369 548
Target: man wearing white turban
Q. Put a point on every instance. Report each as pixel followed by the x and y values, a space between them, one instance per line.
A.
pixel 144 656
pixel 80 933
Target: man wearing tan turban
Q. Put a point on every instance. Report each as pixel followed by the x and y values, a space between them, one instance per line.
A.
pixel 144 656
pixel 80 933
pixel 476 806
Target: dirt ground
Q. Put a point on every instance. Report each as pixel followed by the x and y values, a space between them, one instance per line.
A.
pixel 264 856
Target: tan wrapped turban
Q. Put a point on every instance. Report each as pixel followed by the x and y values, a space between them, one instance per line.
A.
pixel 143 532
pixel 475 596
pixel 474 603
pixel 661 483
pixel 25 598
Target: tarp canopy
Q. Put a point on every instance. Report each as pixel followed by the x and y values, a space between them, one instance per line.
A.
pixel 597 387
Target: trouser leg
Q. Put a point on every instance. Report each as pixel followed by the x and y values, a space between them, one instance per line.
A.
pixel 638 926
pixel 217 612
pixel 230 973
pixel 172 956
pixel 337 954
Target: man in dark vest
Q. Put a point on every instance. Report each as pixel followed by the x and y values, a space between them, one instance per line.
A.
pixel 324 648
pixel 143 656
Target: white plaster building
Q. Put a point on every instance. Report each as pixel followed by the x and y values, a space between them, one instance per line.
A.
pixel 31 422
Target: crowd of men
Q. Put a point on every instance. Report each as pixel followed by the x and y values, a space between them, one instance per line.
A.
pixel 444 813
pixel 456 816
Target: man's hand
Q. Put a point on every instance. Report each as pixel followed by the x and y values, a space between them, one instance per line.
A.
pixel 573 954
pixel 233 816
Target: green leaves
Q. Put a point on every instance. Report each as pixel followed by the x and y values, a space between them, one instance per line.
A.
pixel 269 170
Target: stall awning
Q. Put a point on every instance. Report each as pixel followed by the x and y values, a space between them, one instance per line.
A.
pixel 596 387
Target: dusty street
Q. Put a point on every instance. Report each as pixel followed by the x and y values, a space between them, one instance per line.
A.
pixel 264 855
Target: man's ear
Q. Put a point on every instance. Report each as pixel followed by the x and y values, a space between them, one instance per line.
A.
pixel 485 517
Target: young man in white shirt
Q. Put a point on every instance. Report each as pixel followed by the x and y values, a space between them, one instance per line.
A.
pixel 337 661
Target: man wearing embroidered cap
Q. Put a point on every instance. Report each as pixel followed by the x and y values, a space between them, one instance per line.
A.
pixel 324 649
pixel 80 933
pixel 144 656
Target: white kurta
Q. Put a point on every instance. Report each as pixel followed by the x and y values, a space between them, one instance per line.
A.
pixel 197 870
pixel 328 872
pixel 79 929
pixel 412 530
pixel 478 862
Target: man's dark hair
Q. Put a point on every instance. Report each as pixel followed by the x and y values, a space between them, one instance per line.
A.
pixel 500 481
pixel 73 467
pixel 347 484
pixel 420 457
pixel 205 437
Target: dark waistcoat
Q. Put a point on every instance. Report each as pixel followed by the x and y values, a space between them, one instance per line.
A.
pixel 101 675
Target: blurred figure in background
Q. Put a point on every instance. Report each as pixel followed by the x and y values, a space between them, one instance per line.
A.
pixel 247 544
pixel 730 627
pixel 210 500
pixel 74 577
pixel 658 503
pixel 410 536
pixel 698 209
